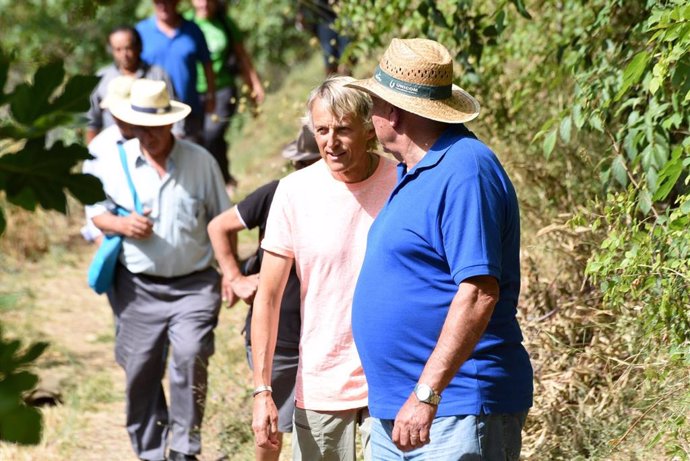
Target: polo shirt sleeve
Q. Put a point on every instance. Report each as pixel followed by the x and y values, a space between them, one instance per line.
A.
pixel 217 201
pixel 95 114
pixel 471 226
pixel 278 236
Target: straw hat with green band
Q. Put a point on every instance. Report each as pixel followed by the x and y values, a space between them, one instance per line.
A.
pixel 416 75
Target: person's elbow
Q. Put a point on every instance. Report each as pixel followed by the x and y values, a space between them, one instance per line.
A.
pixel 485 291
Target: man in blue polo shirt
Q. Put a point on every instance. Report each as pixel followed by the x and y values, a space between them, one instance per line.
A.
pixel 176 45
pixel 434 311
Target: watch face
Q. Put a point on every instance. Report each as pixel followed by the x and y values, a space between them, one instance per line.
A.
pixel 424 393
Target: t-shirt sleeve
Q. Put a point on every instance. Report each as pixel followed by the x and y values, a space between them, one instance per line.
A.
pixel 471 225
pixel 278 238
pixel 254 208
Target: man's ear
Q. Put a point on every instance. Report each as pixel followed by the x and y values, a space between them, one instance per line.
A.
pixel 393 115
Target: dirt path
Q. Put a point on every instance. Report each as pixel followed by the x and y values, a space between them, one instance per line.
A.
pixel 79 364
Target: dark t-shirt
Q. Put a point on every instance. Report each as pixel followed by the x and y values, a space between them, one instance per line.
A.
pixel 254 212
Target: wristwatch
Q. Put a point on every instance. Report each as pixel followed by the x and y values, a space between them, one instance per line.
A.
pixel 426 394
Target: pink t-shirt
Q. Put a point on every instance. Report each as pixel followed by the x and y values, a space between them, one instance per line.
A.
pixel 323 223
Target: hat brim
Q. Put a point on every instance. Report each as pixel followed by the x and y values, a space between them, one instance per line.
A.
pixel 461 107
pixel 109 101
pixel 122 110
pixel 290 152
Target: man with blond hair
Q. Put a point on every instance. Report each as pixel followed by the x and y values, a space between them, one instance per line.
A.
pixel 450 378
pixel 319 220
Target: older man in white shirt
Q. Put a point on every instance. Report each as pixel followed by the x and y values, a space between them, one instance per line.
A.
pixel 165 292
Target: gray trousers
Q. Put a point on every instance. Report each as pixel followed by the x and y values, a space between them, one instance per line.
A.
pixel 154 314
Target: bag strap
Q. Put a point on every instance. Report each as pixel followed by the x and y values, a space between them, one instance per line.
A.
pixel 123 159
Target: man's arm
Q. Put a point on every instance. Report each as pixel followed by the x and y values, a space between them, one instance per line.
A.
pixel 94 116
pixel 468 316
pixel 275 270
pixel 210 88
pixel 133 226
pixel 222 230
pixel 249 75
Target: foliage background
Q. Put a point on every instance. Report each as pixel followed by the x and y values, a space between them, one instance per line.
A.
pixel 586 103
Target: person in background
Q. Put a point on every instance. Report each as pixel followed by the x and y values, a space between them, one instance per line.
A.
pixel 318 16
pixel 228 58
pixel 241 281
pixel 124 45
pixel 450 379
pixel 178 45
pixel 166 292
pixel 318 221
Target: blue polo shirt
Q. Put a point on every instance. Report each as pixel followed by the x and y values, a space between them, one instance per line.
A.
pixel 453 216
pixel 178 55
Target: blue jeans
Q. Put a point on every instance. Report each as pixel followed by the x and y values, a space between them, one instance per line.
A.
pixel 495 437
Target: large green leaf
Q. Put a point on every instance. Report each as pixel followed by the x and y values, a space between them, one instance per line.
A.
pixel 47 79
pixel 33 353
pixel 4 70
pixel 86 188
pixel 37 175
pixel 30 101
pixel 18 382
pixel 21 425
pixel 32 107
pixel 75 97
pixel 11 130
pixel 8 349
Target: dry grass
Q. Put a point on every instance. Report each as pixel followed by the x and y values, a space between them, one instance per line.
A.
pixel 597 395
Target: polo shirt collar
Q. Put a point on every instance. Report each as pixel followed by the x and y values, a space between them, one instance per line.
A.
pixel 436 153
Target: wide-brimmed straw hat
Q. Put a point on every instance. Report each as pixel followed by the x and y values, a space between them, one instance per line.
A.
pixel 117 90
pixel 149 104
pixel 304 148
pixel 416 75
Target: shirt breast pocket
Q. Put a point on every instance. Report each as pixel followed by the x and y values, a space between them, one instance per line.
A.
pixel 189 211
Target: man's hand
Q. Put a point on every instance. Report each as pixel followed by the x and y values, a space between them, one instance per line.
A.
pixel 265 421
pixel 240 287
pixel 413 423
pixel 137 226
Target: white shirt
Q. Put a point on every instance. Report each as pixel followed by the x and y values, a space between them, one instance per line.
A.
pixel 182 203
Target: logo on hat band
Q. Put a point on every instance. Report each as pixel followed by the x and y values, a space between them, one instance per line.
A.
pixel 413 89
pixel 152 110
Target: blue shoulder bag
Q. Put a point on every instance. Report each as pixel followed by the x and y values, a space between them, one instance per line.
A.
pixel 102 268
